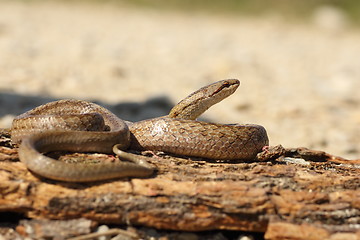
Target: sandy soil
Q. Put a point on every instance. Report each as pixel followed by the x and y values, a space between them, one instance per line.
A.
pixel 300 81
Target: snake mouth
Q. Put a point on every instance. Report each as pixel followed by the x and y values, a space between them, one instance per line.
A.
pixel 227 84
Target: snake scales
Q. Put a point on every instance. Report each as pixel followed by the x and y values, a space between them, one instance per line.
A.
pixel 80 126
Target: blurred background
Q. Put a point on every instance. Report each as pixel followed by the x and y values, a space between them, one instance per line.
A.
pixel 298 61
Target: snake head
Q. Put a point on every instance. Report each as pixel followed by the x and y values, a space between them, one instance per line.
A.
pixel 199 101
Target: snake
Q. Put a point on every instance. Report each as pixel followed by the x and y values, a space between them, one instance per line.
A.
pixel 82 126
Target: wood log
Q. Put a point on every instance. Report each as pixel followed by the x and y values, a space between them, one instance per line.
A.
pixel 282 196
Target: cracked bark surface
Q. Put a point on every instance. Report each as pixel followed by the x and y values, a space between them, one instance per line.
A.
pixel 282 196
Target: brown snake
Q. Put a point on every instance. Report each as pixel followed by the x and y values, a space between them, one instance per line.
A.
pixel 80 126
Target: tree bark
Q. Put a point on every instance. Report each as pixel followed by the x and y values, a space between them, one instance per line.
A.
pixel 283 196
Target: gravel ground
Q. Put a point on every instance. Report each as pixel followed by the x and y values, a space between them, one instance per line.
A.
pixel 300 81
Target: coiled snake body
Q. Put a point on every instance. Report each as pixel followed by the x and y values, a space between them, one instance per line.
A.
pixel 80 126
